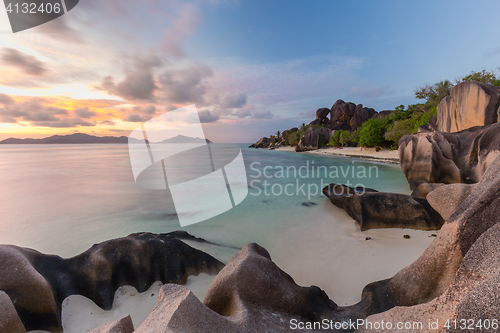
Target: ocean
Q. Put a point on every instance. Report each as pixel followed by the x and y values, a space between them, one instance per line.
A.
pixel 62 199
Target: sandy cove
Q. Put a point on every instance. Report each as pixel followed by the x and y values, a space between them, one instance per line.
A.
pixel 385 155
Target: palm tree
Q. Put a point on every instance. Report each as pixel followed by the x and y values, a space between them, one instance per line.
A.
pixel 278 135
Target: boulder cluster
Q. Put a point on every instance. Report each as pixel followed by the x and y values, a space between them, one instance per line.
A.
pixel 33 285
pixel 343 116
pixel 461 141
pixel 469 104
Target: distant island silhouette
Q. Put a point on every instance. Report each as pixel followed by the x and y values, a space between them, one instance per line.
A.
pixel 81 138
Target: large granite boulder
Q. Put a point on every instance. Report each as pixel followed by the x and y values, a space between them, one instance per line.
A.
pixel 322 113
pixel 447 198
pixel 309 140
pixel 342 112
pixel 361 114
pixel 316 122
pixel 424 189
pixel 252 280
pixel 382 114
pixel 252 294
pixel 469 104
pixel 372 209
pixel 9 319
pixel 342 127
pixel 320 122
pixel 313 138
pixel 38 283
pixel 263 142
pixel 122 325
pixel 439 157
pixel 457 276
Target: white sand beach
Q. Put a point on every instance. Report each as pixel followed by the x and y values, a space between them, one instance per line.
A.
pixel 385 155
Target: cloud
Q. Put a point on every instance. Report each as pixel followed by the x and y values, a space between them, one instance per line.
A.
pixel 36 112
pixel 6 99
pixel 63 123
pixel 233 101
pixel 263 115
pixel 107 122
pixel 148 109
pixel 84 113
pixel 136 118
pixel 247 114
pixel 186 85
pixel 27 63
pixel 207 117
pixel 140 113
pixel 60 30
pixel 138 84
pixel 181 26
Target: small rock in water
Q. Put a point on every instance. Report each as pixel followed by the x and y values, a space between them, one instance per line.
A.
pixel 368 238
pixel 433 235
pixel 309 204
pixel 406 236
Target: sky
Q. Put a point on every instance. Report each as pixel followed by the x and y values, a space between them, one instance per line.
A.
pixel 251 67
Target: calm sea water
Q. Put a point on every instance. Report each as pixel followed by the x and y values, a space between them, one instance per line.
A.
pixel 62 199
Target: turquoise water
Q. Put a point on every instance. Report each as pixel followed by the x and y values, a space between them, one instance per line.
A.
pixel 62 199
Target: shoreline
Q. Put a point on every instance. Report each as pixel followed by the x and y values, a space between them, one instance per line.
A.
pixel 383 156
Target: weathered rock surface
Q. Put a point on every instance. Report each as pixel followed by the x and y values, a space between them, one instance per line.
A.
pixel 309 141
pixel 123 325
pixel 438 157
pixel 252 278
pixel 316 122
pixel 9 320
pixel 312 139
pixel 457 276
pixel 447 198
pixel 469 104
pixel 342 112
pixel 382 114
pixel 250 295
pixel 350 113
pixel 372 209
pixel 264 142
pixel 361 114
pixel 342 126
pixel 322 113
pixel 425 188
pixel 38 283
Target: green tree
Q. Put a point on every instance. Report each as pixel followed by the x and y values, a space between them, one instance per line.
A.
pixel 372 133
pixel 433 94
pixel 335 139
pixel 399 129
pixel 483 76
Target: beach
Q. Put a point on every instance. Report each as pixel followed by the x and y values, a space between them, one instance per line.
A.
pixel 385 155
